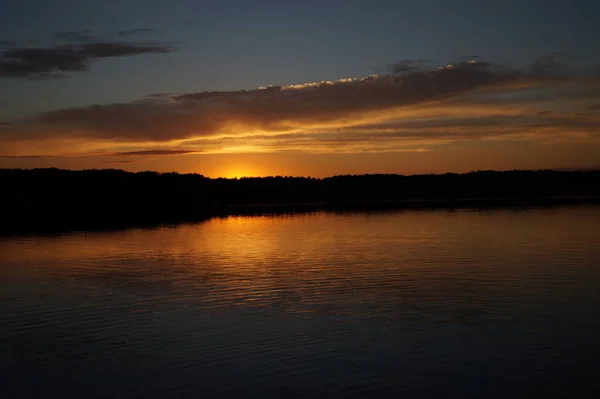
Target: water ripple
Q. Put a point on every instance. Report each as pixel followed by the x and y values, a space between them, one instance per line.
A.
pixel 412 304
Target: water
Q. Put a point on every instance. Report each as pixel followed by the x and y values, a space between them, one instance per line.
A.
pixel 468 303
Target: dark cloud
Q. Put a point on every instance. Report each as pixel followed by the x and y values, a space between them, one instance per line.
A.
pixel 121 49
pixel 37 62
pixel 405 66
pixel 154 152
pixel 159 95
pixel 138 31
pixel 550 64
pixel 477 127
pixel 272 108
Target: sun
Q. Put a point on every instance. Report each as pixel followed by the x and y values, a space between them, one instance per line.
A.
pixel 239 172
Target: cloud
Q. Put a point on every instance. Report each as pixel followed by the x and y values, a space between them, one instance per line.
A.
pixel 40 62
pixel 273 109
pixel 120 161
pixel 159 95
pixel 412 135
pixel 154 152
pixel 138 31
pixel 25 156
pixel 416 109
pixel 405 66
pixel 74 36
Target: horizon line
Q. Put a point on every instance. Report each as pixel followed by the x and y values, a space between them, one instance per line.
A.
pixel 565 170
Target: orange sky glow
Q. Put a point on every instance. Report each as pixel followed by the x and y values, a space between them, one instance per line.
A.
pixel 457 118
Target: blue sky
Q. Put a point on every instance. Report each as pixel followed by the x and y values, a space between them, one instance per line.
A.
pixel 230 45
pixel 236 44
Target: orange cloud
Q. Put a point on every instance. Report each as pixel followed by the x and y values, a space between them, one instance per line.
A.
pixel 412 111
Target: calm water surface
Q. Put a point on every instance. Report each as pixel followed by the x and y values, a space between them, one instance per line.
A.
pixel 466 303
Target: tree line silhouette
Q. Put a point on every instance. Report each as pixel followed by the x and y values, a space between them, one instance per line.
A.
pixel 48 199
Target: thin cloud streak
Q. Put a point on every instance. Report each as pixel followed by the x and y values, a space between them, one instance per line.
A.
pixel 137 31
pixel 74 36
pixel 25 156
pixel 154 152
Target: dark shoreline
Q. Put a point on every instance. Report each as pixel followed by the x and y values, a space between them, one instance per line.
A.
pixel 53 200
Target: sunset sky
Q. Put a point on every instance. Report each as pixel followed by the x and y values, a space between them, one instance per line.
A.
pixel 305 88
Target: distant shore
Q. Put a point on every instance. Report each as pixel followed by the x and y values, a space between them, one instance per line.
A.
pixel 53 200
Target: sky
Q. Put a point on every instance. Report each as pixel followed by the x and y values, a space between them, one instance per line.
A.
pixel 231 88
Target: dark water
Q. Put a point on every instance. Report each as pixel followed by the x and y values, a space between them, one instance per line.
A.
pixel 498 303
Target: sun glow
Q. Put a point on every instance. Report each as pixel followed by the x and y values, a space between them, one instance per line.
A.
pixel 237 172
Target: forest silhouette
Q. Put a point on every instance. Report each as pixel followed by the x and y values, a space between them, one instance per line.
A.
pixel 54 199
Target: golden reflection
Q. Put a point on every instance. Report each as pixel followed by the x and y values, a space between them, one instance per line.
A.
pixel 292 261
